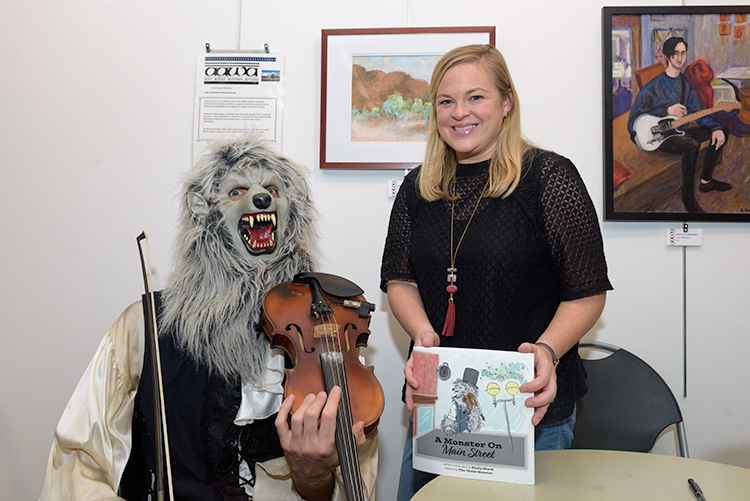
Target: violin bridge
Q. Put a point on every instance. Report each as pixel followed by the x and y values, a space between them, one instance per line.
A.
pixel 329 331
pixel 326 330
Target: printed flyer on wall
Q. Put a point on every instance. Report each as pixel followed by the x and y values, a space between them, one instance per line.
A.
pixel 237 93
pixel 469 416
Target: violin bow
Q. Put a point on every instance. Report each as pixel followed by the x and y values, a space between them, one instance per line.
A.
pixel 161 437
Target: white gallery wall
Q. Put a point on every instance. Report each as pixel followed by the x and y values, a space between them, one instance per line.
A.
pixel 96 110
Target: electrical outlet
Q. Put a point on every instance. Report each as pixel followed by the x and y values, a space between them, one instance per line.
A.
pixel 393 187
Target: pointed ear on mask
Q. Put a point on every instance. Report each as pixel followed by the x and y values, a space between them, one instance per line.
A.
pixel 197 207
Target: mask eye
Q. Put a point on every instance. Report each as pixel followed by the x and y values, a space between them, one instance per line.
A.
pixel 237 193
pixel 273 190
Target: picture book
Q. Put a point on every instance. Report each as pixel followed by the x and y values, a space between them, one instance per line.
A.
pixel 469 414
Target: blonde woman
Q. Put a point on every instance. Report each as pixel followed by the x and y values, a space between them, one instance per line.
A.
pixel 494 244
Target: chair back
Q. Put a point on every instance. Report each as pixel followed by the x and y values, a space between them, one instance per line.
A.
pixel 627 405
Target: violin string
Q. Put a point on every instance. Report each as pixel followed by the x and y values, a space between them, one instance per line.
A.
pixel 339 379
pixel 339 375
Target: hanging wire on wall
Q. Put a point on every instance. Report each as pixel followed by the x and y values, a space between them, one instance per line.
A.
pixel 265 49
pixel 239 23
pixel 684 314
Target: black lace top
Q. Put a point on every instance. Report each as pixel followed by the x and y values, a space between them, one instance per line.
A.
pixel 520 258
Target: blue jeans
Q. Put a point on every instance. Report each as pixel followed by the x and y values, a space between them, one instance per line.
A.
pixel 547 437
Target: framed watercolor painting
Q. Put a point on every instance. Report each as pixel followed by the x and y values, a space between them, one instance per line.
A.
pixel 676 113
pixel 375 92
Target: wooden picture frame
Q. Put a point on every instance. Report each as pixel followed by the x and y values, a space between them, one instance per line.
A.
pixel 642 180
pixel 375 92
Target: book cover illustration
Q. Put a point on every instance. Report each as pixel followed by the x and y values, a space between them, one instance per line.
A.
pixel 469 415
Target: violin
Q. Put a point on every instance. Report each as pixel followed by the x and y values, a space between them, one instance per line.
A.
pixel 321 321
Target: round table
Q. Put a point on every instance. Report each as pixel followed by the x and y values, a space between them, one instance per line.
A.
pixel 596 474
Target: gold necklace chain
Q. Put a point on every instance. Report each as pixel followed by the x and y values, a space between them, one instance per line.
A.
pixel 450 315
pixel 452 270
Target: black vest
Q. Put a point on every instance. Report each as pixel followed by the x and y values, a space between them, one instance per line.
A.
pixel 206 446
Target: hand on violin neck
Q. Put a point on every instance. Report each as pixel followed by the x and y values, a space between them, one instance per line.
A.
pixel 309 442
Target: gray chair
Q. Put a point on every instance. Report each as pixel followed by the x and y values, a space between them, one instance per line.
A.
pixel 627 406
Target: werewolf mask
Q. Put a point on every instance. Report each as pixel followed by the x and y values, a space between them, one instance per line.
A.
pixel 245 225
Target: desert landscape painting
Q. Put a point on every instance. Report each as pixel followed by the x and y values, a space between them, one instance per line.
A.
pixel 391 97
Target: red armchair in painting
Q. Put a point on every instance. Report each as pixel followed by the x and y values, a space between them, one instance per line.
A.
pixel 699 75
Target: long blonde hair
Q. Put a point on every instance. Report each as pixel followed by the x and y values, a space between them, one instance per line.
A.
pixel 439 166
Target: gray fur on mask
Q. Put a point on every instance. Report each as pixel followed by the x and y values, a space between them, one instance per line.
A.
pixel 213 299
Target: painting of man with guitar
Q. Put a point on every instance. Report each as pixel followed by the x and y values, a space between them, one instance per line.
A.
pixel 659 121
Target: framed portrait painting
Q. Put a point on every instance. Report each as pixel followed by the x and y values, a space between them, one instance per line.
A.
pixel 676 113
pixel 375 92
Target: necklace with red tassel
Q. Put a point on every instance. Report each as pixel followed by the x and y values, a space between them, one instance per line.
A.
pixel 450 315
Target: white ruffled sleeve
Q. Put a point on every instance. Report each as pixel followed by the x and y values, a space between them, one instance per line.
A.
pixel 263 400
pixel 93 438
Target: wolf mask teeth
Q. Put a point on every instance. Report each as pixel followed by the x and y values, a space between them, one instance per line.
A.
pixel 258 231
